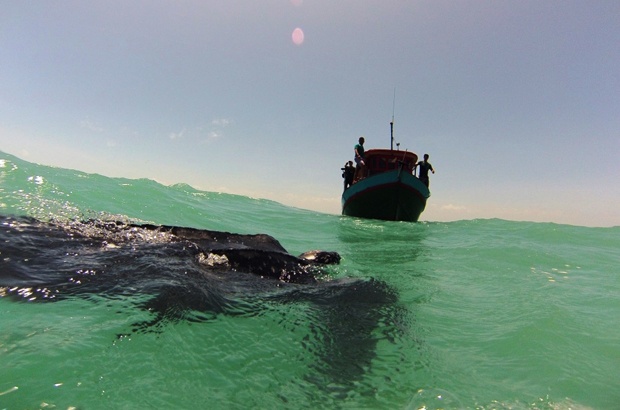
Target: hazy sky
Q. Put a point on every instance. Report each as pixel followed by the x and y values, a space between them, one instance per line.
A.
pixel 517 102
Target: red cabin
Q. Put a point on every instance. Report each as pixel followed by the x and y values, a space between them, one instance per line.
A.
pixel 382 160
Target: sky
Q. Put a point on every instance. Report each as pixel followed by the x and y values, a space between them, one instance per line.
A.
pixel 516 102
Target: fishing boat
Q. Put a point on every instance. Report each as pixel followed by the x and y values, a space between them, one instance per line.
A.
pixel 388 188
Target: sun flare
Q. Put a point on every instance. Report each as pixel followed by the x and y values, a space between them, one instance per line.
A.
pixel 298 36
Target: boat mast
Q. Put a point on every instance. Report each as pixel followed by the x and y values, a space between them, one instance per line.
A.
pixel 392 135
pixel 392 122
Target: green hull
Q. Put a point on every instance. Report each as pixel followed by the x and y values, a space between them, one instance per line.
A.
pixel 391 196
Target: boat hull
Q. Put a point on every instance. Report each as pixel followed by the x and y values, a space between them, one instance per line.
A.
pixel 391 196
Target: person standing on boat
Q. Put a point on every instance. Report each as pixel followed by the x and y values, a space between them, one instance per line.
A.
pixel 425 166
pixel 359 159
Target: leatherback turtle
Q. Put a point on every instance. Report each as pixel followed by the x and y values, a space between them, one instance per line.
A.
pixel 196 275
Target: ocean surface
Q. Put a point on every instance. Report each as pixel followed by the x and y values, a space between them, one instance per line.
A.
pixel 484 314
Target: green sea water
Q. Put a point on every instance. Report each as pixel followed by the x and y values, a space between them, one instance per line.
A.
pixel 497 314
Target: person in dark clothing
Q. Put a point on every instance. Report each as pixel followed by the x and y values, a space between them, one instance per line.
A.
pixel 425 166
pixel 347 173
